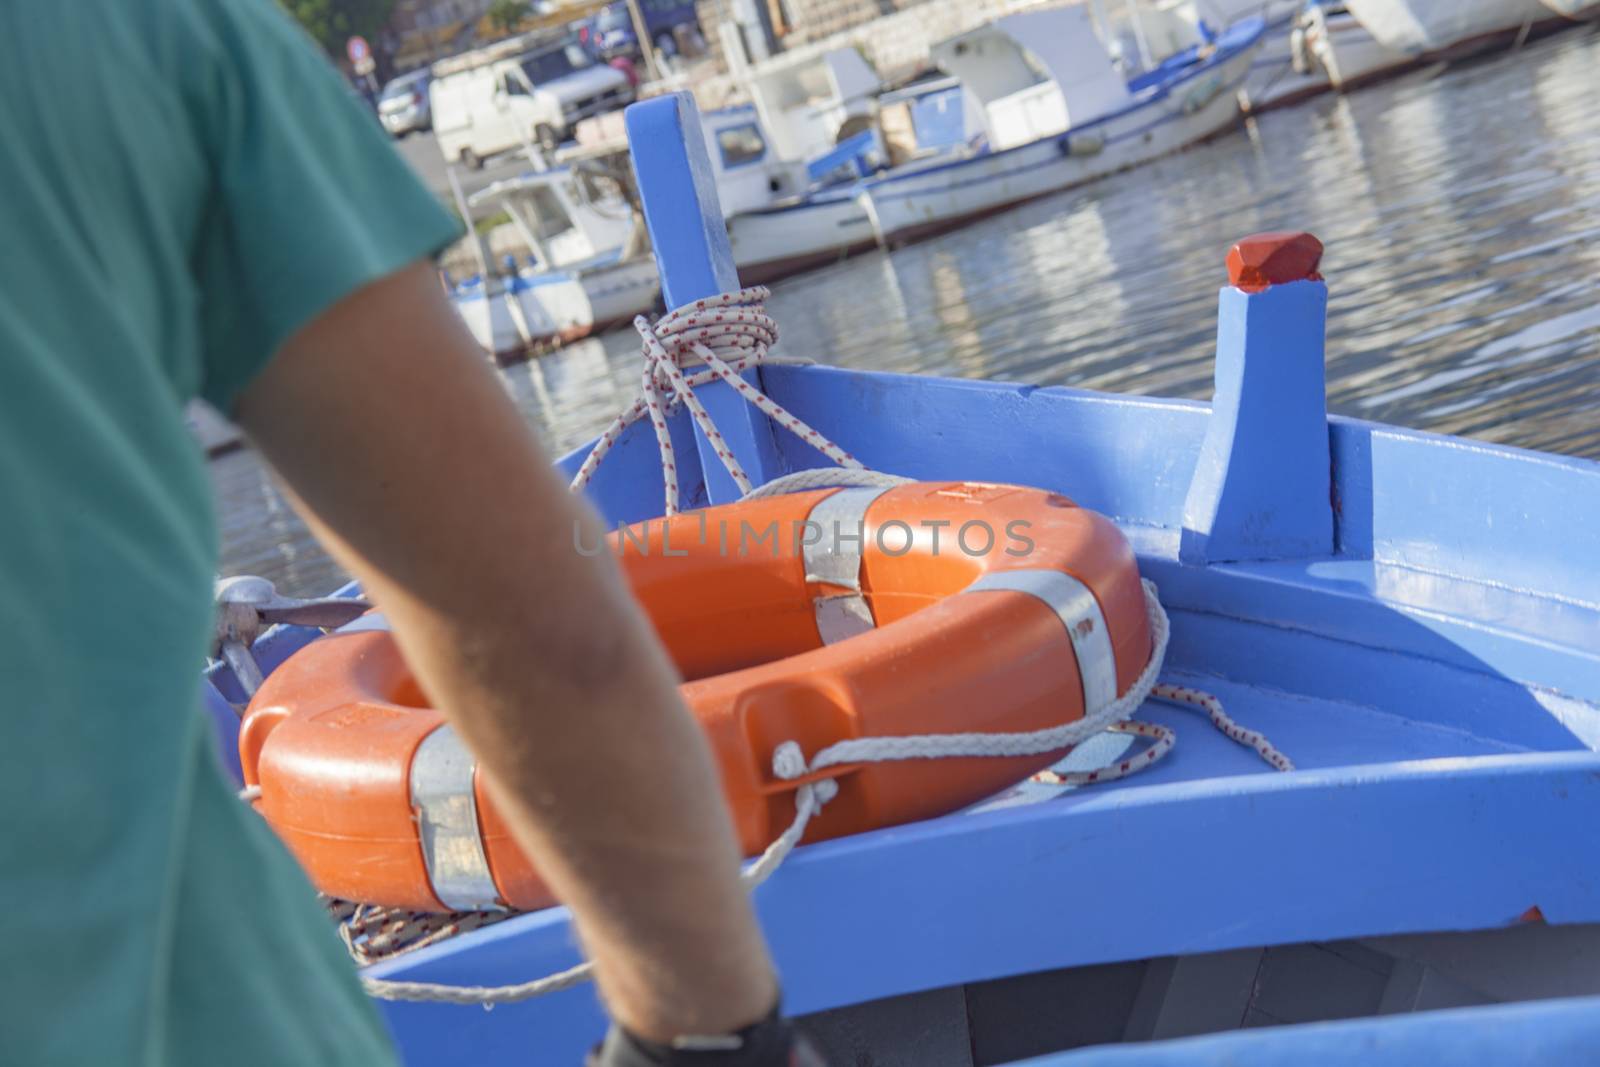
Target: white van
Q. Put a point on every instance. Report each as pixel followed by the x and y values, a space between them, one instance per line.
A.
pixel 514 92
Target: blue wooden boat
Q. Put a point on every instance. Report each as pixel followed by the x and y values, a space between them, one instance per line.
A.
pixel 1413 619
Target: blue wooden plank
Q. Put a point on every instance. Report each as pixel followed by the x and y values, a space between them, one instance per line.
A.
pixel 1521 519
pixel 678 189
pixel 695 261
pixel 1260 487
pixel 224 730
pixel 1552 1033
pixel 1321 608
pixel 1357 851
pixel 1128 457
pixel 1475 511
pixel 1131 458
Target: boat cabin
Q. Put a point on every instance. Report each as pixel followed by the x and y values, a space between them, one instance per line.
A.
pixel 811 99
pixel 561 223
pixel 1034 74
pixel 750 171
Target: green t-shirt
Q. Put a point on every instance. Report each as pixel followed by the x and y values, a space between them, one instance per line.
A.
pixel 183 184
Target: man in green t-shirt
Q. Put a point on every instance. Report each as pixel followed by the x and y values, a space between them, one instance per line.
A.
pixel 193 204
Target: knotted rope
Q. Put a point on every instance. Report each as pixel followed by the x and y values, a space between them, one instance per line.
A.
pixel 726 335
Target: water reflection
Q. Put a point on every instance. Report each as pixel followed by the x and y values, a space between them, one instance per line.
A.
pixel 1459 210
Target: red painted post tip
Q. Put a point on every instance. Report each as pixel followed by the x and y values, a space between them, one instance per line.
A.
pixel 1266 259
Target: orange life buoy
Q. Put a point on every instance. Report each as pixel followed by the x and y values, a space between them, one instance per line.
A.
pixel 814 617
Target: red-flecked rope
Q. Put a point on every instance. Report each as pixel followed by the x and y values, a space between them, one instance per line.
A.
pixel 1207 702
pixel 727 335
pixel 1163 739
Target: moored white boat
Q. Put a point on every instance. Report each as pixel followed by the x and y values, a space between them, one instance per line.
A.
pixel 1051 112
pixel 1447 28
pixel 587 268
pixel 1279 75
pixel 1082 123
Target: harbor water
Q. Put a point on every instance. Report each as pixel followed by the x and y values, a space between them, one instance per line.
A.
pixel 1460 209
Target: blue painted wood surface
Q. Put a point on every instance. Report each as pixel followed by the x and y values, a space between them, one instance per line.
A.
pixel 224 730
pixel 678 189
pixel 1552 1033
pixel 1261 485
pixel 1260 858
pixel 1127 457
pixel 617 489
pixel 695 261
pixel 1527 520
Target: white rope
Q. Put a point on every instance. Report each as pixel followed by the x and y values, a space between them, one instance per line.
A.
pixel 809 798
pixel 824 478
pixel 1029 743
pixel 727 334
pixel 435 993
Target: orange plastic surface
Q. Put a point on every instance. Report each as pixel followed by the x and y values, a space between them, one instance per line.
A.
pixel 330 735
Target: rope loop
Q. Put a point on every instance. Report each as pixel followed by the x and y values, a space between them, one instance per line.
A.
pixel 715 339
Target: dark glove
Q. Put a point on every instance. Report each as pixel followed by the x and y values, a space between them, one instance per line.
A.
pixel 772 1042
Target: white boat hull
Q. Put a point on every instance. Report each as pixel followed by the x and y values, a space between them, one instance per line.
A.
pixel 1430 27
pixel 551 308
pixel 784 240
pixel 488 318
pixel 1348 54
pixel 916 204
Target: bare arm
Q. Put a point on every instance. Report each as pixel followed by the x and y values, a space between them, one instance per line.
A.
pixel 413 466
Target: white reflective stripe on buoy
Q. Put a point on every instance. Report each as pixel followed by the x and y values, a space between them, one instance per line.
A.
pixel 1075 605
pixel 375 620
pixel 835 559
pixel 447 823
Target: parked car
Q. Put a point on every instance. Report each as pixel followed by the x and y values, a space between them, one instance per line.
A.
pixel 610 31
pixel 514 92
pixel 403 105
